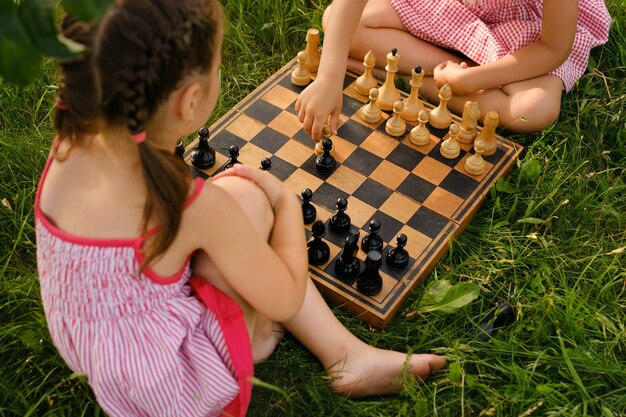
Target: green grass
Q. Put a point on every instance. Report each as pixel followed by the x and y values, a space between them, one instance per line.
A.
pixel 550 239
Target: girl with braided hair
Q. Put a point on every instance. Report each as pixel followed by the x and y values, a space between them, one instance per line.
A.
pixel 142 278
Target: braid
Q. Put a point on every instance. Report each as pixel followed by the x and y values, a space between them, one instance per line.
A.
pixel 78 95
pixel 146 47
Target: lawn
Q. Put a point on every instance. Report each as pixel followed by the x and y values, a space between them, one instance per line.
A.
pixel 551 240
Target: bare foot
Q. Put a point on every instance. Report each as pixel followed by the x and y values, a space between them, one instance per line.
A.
pixel 265 340
pixel 372 371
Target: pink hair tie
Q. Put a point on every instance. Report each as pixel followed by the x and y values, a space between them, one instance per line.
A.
pixel 139 137
pixel 60 105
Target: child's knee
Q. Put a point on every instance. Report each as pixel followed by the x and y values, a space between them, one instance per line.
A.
pixel 252 200
pixel 325 17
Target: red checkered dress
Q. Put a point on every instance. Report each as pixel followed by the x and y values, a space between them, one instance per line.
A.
pixel 486 30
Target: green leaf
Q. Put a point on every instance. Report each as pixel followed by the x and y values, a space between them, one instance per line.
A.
pixel 37 18
pixel 455 372
pixel 19 64
pixel 530 170
pixel 447 298
pixel 86 10
pixel 504 186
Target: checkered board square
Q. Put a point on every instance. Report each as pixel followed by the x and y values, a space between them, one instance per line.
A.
pixel 409 189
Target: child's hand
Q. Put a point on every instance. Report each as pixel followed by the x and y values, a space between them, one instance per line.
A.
pixel 318 104
pixel 452 74
pixel 274 189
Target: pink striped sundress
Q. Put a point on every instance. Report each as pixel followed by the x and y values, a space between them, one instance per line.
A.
pixel 148 345
pixel 487 30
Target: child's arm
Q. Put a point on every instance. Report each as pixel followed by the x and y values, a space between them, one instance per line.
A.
pixel 324 96
pixel 548 53
pixel 271 276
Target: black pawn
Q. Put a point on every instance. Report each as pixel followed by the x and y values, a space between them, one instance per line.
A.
pixel 203 156
pixel 372 241
pixel 398 257
pixel 309 212
pixel 233 153
pixel 369 281
pixel 340 221
pixel 325 163
pixel 318 250
pixel 179 151
pixel 348 266
pixel 266 164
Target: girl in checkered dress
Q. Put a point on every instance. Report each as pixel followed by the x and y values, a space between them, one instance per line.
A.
pixel 513 56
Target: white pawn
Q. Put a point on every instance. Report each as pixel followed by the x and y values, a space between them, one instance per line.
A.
pixel 366 81
pixel 471 114
pixel 396 126
pixel 420 135
pixel 412 104
pixel 319 149
pixel 441 117
pixel 301 76
pixel 450 148
pixel 370 113
pixel 475 164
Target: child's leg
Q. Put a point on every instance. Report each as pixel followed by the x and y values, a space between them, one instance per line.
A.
pixel 357 368
pixel 525 106
pixel 264 333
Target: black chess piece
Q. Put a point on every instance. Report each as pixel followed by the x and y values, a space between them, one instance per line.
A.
pixel 348 266
pixel 369 282
pixel 502 315
pixel 233 153
pixel 325 163
pixel 309 212
pixel 398 257
pixel 266 164
pixel 340 221
pixel 179 151
pixel 372 241
pixel 203 156
pixel 318 250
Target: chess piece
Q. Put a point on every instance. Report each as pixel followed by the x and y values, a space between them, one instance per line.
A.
pixel 369 282
pixel 412 104
pixel 266 164
pixel 471 114
pixel 502 315
pixel 475 164
pixel 370 113
pixel 488 134
pixel 366 81
pixel 233 153
pixel 312 61
pixel 441 117
pixel 203 156
pixel 301 76
pixel 318 250
pixel 348 266
pixel 372 241
pixel 319 149
pixel 395 125
pixel 340 221
pixel 309 212
pixel 450 148
pixel 179 151
pixel 420 135
pixel 388 93
pixel 325 163
pixel 398 257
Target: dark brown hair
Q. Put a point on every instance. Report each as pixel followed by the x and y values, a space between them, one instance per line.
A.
pixel 142 50
pixel 78 100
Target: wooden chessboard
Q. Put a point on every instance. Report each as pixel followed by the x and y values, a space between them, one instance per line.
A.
pixel 409 189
